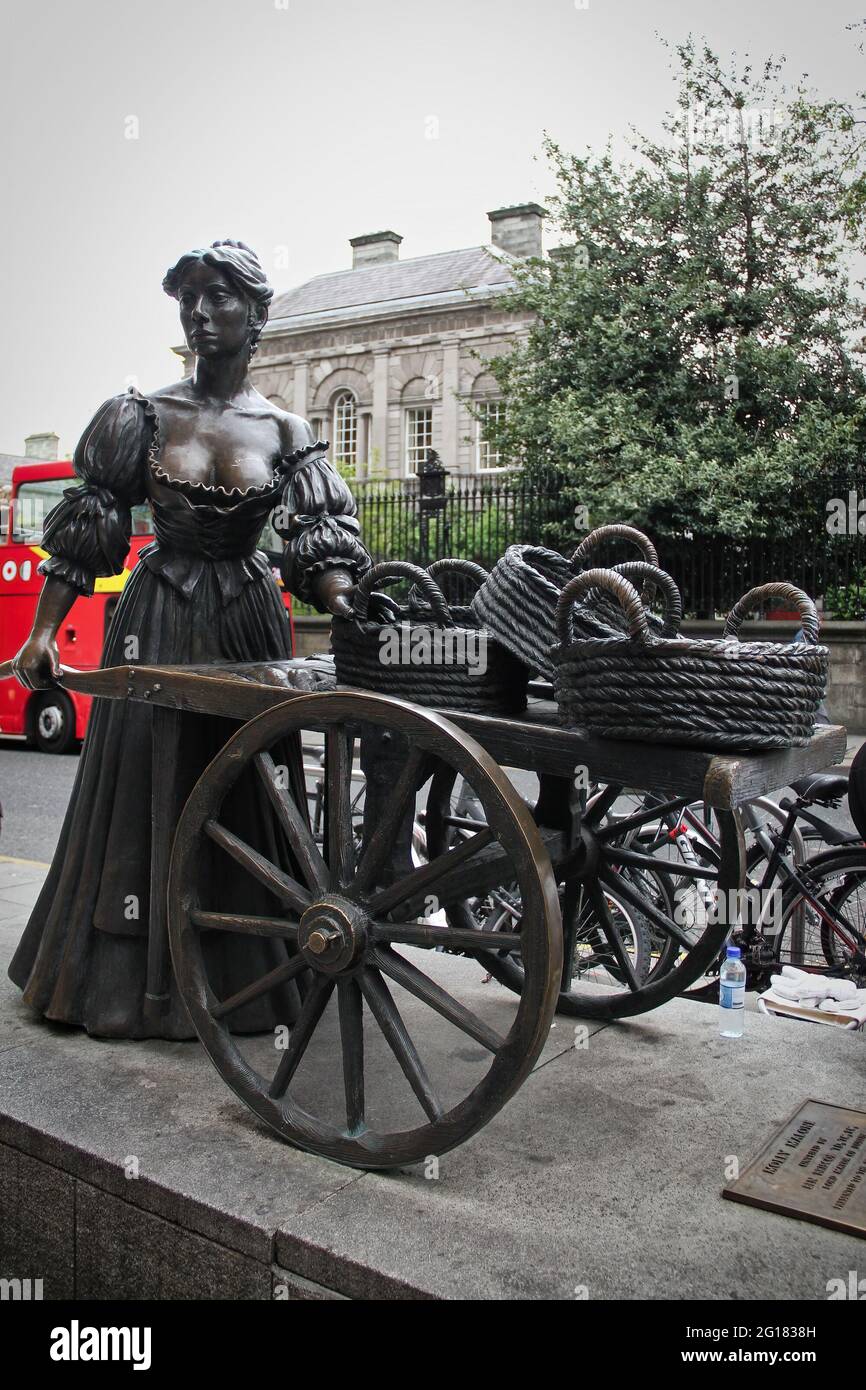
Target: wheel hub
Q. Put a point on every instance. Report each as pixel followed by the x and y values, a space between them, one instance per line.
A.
pixel 333 934
pixel 50 721
pixel 583 860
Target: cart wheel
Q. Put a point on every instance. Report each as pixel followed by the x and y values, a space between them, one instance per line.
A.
pixel 624 880
pixel 381 983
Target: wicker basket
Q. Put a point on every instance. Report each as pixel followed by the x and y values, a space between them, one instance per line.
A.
pixel 517 604
pixel 426 656
pixel 716 694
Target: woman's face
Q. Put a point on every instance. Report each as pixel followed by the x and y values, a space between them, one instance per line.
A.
pixel 215 318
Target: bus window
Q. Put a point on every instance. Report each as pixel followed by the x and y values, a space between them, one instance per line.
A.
pixel 142 520
pixel 32 505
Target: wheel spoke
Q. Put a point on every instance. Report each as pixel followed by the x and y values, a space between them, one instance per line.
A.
pixel 416 982
pixel 302 1031
pixel 610 930
pixel 380 844
pixel 287 889
pixel 656 864
pixel 422 879
pixel 615 828
pixel 571 915
pixel 294 824
pixel 280 976
pixel 826 909
pixel 450 938
pixel 249 926
pixel 625 889
pixel 599 807
pixel 340 839
pixel 386 1014
pixel 351 1005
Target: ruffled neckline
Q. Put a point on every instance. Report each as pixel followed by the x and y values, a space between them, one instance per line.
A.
pixel 215 492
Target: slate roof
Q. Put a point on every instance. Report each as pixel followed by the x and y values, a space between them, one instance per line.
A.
pixel 395 283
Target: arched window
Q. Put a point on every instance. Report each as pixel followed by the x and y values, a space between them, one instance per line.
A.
pixel 345 429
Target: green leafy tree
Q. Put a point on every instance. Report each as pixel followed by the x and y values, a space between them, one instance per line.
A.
pixel 694 363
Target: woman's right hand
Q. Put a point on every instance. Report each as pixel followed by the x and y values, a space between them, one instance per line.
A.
pixel 37 665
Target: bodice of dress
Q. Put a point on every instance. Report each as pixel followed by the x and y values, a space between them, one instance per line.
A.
pixel 118 459
pixel 206 524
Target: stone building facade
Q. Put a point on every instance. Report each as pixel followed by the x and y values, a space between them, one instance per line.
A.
pixel 389 358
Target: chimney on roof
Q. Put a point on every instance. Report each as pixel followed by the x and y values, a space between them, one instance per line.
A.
pixel 378 248
pixel 42 446
pixel 517 229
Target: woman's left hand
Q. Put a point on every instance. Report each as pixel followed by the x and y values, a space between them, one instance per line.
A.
pixel 333 590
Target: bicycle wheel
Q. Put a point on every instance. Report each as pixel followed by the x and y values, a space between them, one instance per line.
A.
pixel 824 928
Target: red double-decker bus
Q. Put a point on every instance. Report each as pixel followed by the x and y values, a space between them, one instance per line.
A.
pixel 54 720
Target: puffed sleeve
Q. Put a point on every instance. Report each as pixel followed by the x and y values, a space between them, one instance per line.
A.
pixel 318 520
pixel 87 534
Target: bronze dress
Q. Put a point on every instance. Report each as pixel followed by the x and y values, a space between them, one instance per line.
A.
pixel 200 593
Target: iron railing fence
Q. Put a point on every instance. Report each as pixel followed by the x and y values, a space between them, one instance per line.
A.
pixel 477 518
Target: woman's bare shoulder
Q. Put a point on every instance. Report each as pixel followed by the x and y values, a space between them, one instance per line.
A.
pixel 295 431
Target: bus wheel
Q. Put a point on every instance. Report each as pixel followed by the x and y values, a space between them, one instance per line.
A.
pixel 54 722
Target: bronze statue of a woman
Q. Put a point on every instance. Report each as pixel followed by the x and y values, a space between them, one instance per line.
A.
pixel 214 458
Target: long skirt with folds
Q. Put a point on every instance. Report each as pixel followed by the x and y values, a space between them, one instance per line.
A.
pixel 83 956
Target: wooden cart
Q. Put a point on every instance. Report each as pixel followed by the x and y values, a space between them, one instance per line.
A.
pixel 361 920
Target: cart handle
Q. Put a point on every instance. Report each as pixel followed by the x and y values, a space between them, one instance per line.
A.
pixel 778 589
pixel 391 571
pixel 624 593
pixel 6 673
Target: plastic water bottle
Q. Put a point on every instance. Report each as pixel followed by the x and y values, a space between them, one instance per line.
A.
pixel 732 995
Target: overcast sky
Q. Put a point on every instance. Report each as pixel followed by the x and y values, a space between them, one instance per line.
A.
pixel 297 124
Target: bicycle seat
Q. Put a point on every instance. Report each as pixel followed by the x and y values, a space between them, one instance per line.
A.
pixel 822 786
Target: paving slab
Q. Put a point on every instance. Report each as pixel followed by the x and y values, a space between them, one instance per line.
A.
pixel 600 1179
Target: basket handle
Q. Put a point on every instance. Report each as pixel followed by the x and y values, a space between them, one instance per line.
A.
pixel 778 589
pixel 625 594
pixel 656 579
pixel 390 571
pixel 616 531
pixel 467 568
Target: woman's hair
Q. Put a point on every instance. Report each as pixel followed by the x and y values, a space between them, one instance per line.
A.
pixel 238 264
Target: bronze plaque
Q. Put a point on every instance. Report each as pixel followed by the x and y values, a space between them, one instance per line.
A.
pixel 814 1167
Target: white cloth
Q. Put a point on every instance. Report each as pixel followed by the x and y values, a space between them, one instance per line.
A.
pixel 853 1008
pixel 800 985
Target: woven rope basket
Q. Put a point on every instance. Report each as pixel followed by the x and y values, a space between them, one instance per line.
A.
pixel 517 603
pixel 426 654
pixel 716 694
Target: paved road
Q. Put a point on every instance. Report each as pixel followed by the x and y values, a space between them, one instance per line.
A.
pixel 34 791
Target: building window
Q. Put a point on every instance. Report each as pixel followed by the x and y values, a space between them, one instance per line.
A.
pixel 345 429
pixel 419 436
pixel 487 456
